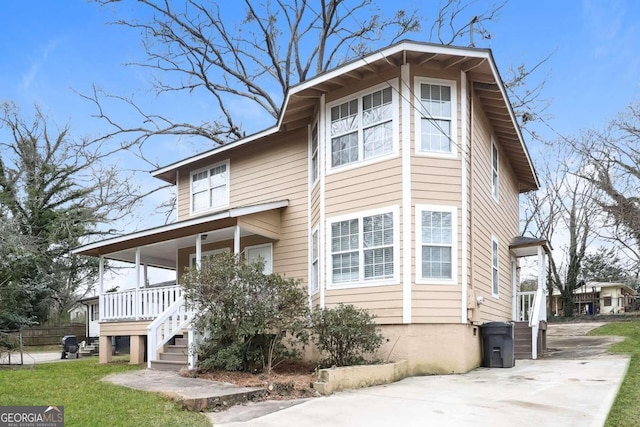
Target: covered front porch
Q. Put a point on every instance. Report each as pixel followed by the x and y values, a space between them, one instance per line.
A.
pixel 152 315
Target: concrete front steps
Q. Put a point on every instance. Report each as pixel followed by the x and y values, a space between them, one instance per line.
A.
pixel 173 357
pixel 89 350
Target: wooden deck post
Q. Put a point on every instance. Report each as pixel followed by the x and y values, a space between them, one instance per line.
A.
pixel 136 349
pixel 105 349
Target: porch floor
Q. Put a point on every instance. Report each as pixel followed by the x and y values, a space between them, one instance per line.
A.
pixel 194 394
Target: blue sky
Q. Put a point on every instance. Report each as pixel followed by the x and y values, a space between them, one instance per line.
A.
pixel 51 50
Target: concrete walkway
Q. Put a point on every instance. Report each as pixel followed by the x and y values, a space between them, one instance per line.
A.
pixel 195 394
pixel 551 391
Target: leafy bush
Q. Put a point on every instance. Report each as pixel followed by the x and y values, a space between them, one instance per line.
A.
pixel 346 334
pixel 249 320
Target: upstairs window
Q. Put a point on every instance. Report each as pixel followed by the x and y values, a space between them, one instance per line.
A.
pixel 210 188
pixel 314 153
pixel 362 128
pixel 436 117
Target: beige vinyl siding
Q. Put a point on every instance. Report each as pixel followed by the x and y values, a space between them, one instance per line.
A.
pixel 491 218
pixel 270 170
pixel 315 206
pixel 436 181
pixel 385 302
pixel 363 188
pixel 263 223
pixel 277 170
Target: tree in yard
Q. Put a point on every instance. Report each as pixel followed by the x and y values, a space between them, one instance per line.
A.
pixel 563 210
pixel 252 59
pixel 604 265
pixel 54 192
pixel 614 159
pixel 248 319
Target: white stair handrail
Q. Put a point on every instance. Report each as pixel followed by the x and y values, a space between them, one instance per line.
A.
pixel 173 320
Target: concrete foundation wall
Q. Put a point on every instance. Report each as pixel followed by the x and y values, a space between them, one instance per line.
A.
pixel 432 349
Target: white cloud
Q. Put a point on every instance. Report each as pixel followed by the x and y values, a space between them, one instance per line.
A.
pixel 29 77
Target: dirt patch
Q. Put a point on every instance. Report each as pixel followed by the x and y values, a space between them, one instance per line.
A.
pixel 289 380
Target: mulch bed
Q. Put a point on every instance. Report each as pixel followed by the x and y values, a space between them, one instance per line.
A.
pixel 289 380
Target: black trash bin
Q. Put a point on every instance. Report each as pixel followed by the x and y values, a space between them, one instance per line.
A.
pixel 497 345
pixel 69 346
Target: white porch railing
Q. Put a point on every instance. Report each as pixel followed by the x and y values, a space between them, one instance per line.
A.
pixel 174 320
pixel 538 313
pixel 524 305
pixel 138 304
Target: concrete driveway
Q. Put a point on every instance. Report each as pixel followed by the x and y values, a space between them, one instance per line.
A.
pixel 551 391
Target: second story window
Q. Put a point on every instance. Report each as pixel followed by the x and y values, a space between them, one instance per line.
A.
pixel 314 153
pixel 210 188
pixel 494 170
pixel 362 128
pixel 436 117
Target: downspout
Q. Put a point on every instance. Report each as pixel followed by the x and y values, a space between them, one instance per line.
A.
pixel 471 193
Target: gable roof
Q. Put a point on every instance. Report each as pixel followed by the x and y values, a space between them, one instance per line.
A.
pixel 482 72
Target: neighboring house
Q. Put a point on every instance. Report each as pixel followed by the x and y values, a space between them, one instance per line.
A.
pixel 391 183
pixel 76 313
pixel 91 317
pixel 598 298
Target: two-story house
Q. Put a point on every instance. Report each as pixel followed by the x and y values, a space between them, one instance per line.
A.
pixel 391 183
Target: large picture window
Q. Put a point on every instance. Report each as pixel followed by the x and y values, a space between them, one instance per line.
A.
pixel 363 248
pixel 437 241
pixel 210 188
pixel 436 117
pixel 362 128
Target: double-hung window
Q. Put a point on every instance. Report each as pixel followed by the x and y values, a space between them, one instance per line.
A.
pixel 362 128
pixel 363 248
pixel 315 249
pixel 210 188
pixel 495 277
pixel 436 117
pixel 494 170
pixel 437 244
pixel 314 153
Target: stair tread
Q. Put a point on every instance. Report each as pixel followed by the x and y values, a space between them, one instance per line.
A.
pixel 169 362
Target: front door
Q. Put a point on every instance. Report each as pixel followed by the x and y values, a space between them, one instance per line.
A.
pixel 254 253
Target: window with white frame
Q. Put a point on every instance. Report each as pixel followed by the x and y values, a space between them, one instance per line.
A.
pixel 495 278
pixel 207 256
pixel 436 116
pixel 314 153
pixel 315 249
pixel 210 187
pixel 494 170
pixel 362 128
pixel 362 248
pixel 437 243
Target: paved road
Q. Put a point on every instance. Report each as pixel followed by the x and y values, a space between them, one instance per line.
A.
pixel 551 391
pixel 36 358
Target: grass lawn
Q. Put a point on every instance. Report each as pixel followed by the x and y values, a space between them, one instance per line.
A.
pixel 626 408
pixel 88 401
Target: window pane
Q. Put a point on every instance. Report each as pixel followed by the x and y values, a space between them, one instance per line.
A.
pixel 344 149
pixel 200 201
pixel 435 135
pixel 436 262
pixel 378 140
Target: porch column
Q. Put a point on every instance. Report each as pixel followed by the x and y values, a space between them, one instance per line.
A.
pixel 542 279
pixel 136 308
pixel 198 250
pixel 136 349
pixel 145 276
pixel 101 289
pixel 236 240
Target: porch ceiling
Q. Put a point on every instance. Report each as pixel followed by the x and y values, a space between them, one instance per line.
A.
pixel 522 246
pixel 159 245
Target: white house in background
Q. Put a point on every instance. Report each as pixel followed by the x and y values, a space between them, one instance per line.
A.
pixel 391 183
pixel 598 298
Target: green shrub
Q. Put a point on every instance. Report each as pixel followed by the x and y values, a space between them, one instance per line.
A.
pixel 346 334
pixel 249 320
